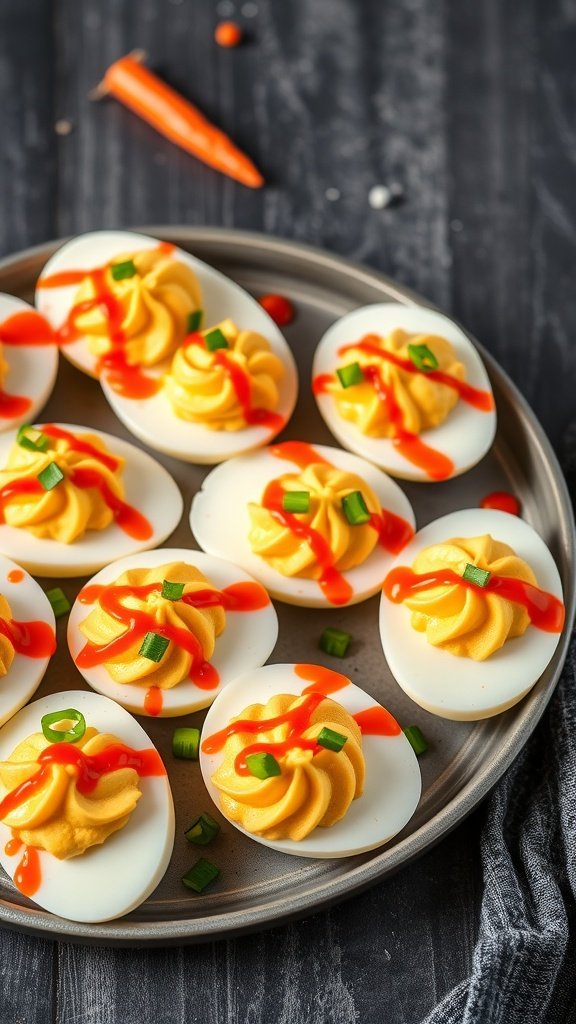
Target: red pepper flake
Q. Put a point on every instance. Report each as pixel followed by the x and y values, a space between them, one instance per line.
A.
pixel 228 34
pixel 279 308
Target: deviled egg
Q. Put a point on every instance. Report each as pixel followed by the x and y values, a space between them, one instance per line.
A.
pixel 303 761
pixel 28 362
pixel 93 837
pixel 213 621
pixel 316 525
pixel 405 387
pixel 73 498
pixel 471 614
pixel 27 637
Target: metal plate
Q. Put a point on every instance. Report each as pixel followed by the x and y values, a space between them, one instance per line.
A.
pixel 258 886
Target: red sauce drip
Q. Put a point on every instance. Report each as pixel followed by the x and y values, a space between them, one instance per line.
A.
pixel 63 279
pixel 546 611
pixel 83 447
pixel 503 501
pixel 18 487
pixel 205 677
pixel 28 874
pixel 27 328
pixel 15 576
pixel 13 846
pixel 300 453
pixel 279 308
pixel 332 583
pixel 323 680
pixel 153 701
pixel 241 383
pixel 376 721
pixel 238 597
pixel 35 639
pixel 13 406
pixel 127 518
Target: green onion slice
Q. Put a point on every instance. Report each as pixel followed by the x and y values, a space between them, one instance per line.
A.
pixel 203 831
pixel 194 320
pixel 154 646
pixel 215 340
pixel 185 743
pixel 350 374
pixel 296 501
pixel 32 439
pixel 331 739
pixel 422 357
pixel 263 765
pixel 355 508
pixel 416 739
pixel 474 574
pixel 59 601
pixel 64 735
pixel 335 642
pixel 50 476
pixel 172 591
pixel 200 875
pixel 120 271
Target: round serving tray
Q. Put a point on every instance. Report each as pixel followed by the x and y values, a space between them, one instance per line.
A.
pixel 259 886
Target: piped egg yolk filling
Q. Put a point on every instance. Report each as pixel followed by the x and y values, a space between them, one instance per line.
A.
pixel 391 399
pixel 468 621
pixel 4 368
pixel 126 610
pixel 54 814
pixel 7 649
pixel 306 544
pixel 226 388
pixel 84 499
pixel 146 312
pixel 315 787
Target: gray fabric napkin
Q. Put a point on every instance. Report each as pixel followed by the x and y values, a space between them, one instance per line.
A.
pixel 524 965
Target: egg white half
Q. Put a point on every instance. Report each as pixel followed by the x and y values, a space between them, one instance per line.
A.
pixel 465 435
pixel 32 369
pixel 393 781
pixel 28 603
pixel 114 878
pixel 144 481
pixel 220 522
pixel 460 688
pixel 153 419
pixel 245 644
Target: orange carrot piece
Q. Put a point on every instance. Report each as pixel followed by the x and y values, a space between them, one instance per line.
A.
pixel 130 82
pixel 228 34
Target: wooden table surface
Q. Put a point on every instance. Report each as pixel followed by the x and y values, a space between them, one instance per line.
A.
pixel 470 107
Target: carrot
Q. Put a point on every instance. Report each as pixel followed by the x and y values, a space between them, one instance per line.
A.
pixel 130 82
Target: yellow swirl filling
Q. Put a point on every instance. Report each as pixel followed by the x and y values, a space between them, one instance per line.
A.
pixel 312 790
pixel 424 403
pixel 205 624
pixel 156 303
pixel 6 645
pixel 66 511
pixel 201 389
pixel 292 554
pixel 466 621
pixel 57 817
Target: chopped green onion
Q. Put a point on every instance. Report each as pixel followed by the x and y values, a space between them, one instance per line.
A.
pixel 350 374
pixel 416 739
pixel 64 735
pixel 172 591
pixel 203 830
pixel 474 574
pixel 59 601
pixel 32 439
pixel 154 646
pixel 120 271
pixel 331 739
pixel 200 875
pixel 335 642
pixel 215 339
pixel 185 743
pixel 355 509
pixel 423 358
pixel 296 501
pixel 50 476
pixel 194 320
pixel 263 765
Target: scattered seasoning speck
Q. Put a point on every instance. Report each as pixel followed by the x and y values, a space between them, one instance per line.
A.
pixel 332 194
pixel 228 34
pixel 379 197
pixel 225 7
pixel 63 127
pixel 249 10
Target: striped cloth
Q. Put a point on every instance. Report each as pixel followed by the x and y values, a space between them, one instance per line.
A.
pixel 524 965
